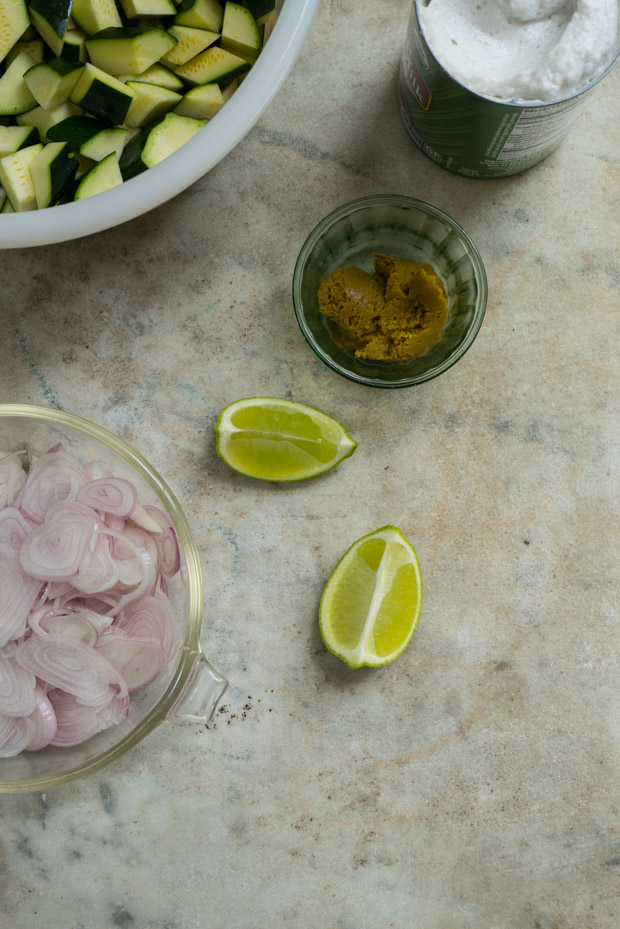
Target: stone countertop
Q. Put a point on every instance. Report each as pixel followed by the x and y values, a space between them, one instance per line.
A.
pixel 474 783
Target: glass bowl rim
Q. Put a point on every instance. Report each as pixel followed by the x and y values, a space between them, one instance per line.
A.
pixel 191 646
pixel 354 206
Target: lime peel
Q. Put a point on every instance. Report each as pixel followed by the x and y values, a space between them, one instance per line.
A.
pixel 371 604
pixel 272 439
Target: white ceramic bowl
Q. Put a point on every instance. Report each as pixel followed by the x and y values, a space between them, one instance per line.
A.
pixel 166 180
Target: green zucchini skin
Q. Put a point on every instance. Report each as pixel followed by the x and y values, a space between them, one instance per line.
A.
pixel 56 13
pixel 50 18
pixel 99 102
pixel 130 162
pixel 52 172
pixel 102 95
pixel 76 130
pixel 73 47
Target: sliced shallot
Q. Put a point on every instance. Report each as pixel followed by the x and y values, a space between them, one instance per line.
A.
pixel 71 665
pixel 44 721
pixel 18 593
pixel 139 659
pixel 16 688
pixel 56 476
pixel 112 495
pixel 15 734
pixel 167 543
pixel 84 612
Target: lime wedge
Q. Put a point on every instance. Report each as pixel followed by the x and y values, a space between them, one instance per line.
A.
pixel 279 440
pixel 371 603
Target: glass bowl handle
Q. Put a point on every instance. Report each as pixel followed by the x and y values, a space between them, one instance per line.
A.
pixel 202 692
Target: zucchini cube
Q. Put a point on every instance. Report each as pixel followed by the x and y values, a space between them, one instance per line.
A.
pixel 51 82
pixel 15 178
pixel 13 23
pixel 94 15
pixel 202 14
pixel 89 137
pixel 52 171
pixel 214 64
pixel 15 96
pixel 50 20
pixel 102 95
pixel 128 50
pixel 240 34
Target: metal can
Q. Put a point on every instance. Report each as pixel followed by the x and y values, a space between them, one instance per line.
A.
pixel 471 134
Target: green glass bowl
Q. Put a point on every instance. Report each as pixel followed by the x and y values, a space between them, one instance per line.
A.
pixel 404 228
pixel 188 688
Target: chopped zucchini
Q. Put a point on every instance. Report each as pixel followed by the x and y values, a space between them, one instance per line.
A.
pixel 130 162
pixel 150 103
pixel 105 175
pixel 33 47
pixel 156 74
pixel 13 23
pixel 50 17
pixel 15 96
pixel 169 135
pixel 43 120
pixel 190 42
pixel 12 138
pixel 73 48
pixel 201 102
pixel 128 50
pixel 202 14
pixel 93 92
pixel 102 95
pixel 15 178
pixel 215 64
pixel 147 8
pixel 240 34
pixel 52 171
pixel 94 15
pixel 89 137
pixel 51 82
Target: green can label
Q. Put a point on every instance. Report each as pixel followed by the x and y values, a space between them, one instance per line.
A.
pixel 467 133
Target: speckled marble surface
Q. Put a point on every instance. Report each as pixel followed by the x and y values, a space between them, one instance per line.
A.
pixel 474 783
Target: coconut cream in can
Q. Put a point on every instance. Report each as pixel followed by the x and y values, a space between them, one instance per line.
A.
pixel 490 88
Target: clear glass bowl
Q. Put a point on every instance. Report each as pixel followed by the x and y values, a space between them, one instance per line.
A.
pixel 188 688
pixel 404 228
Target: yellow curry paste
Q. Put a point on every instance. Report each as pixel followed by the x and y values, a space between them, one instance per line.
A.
pixel 394 315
